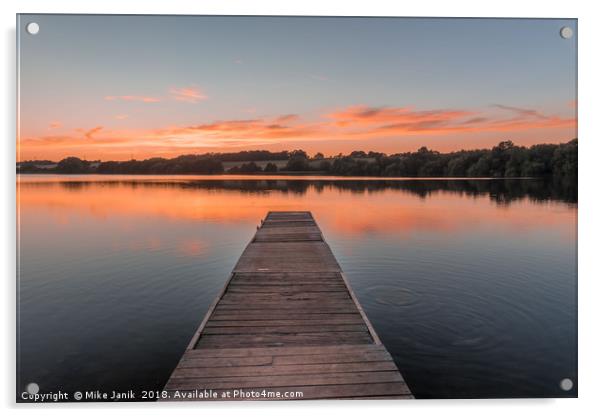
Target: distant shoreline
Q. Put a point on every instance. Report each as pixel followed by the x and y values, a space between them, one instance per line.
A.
pixel 505 160
pixel 281 175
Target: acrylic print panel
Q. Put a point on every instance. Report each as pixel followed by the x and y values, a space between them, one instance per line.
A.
pixel 215 207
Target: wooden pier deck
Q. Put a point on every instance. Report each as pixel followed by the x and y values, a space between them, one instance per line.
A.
pixel 287 321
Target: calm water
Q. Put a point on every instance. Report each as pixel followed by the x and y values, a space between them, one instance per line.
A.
pixel 471 285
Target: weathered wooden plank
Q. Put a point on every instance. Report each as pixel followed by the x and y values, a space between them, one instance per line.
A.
pixel 289 214
pixel 283 369
pixel 274 294
pixel 305 282
pixel 286 329
pixel 348 357
pixel 325 306
pixel 288 223
pixel 253 315
pixel 283 297
pixel 285 380
pixel 283 351
pixel 297 237
pixel 247 285
pixel 299 339
pixel 252 288
pixel 298 232
pixel 283 256
pixel 279 275
pixel 310 228
pixel 274 278
pixel 270 321
pixel 210 362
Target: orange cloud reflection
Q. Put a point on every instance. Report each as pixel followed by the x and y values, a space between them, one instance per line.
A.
pixel 388 211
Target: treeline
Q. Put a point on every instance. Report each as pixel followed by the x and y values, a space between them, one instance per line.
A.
pixel 503 160
pixel 185 164
pixel 249 156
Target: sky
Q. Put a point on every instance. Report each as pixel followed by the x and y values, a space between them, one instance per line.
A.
pixel 123 87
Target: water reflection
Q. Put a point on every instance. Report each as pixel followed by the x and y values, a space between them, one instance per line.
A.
pixel 386 206
pixel 499 190
pixel 470 284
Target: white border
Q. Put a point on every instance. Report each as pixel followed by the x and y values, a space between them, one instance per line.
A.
pixel 589 207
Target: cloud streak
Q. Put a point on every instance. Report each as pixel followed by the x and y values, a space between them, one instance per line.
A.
pixel 89 133
pixel 143 99
pixel 387 121
pixel 521 111
pixel 187 94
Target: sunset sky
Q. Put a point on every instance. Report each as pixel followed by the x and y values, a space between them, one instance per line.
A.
pixel 117 87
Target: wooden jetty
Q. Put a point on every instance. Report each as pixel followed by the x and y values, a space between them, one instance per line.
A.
pixel 286 322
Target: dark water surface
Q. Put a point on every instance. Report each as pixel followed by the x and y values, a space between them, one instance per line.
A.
pixel 471 285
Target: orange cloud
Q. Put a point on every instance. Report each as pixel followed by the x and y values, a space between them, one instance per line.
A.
pixel 55 125
pixel 278 128
pixel 387 121
pixel 143 99
pixel 88 134
pixel 395 115
pixel 187 94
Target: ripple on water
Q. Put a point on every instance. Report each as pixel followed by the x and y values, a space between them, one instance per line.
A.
pixel 390 296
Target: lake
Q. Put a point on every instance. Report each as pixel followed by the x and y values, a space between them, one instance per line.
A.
pixel 470 284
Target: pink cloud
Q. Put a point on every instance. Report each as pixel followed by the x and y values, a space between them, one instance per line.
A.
pixel 364 115
pixel 143 99
pixel 187 94
pixel 279 127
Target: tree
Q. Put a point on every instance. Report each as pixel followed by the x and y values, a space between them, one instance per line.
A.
pixel 482 168
pixel 358 154
pixel 564 160
pixel 249 168
pixel 270 167
pixel 516 161
pixel 298 153
pixel 297 163
pixel 324 166
pixel 72 165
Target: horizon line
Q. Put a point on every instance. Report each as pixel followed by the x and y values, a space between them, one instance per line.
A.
pixel 331 156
